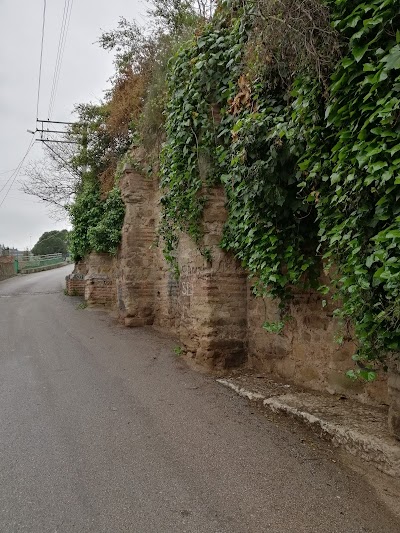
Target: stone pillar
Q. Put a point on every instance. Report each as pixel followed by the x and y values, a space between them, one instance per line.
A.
pixel 394 401
pixel 213 303
pixel 135 278
pixel 75 282
pixel 100 280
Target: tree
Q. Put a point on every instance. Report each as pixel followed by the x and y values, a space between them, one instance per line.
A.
pixel 104 131
pixel 54 180
pixel 52 242
pixel 4 250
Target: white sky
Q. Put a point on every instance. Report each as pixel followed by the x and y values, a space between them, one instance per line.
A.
pixel 84 74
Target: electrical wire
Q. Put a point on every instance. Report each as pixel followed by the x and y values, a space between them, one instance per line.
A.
pixel 7 182
pixel 41 58
pixel 68 4
pixel 14 176
pixel 60 40
pixel 17 169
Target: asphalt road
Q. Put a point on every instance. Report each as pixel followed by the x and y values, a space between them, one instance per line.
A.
pixel 104 429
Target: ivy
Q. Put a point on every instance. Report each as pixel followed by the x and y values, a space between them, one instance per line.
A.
pixel 201 81
pixel 270 228
pixel 96 223
pixel 105 236
pixel 310 161
pixel 358 183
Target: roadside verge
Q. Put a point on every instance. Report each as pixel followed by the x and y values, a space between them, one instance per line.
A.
pixel 357 428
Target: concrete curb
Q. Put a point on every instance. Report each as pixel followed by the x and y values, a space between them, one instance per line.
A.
pixel 43 269
pixel 360 430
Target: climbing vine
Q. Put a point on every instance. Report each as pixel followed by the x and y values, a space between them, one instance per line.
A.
pixel 294 109
pixel 201 81
pixel 307 147
pixel 96 223
pixel 358 177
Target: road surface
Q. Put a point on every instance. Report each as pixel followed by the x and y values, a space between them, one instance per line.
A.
pixel 104 429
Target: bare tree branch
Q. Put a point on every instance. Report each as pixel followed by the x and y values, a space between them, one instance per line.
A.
pixel 53 180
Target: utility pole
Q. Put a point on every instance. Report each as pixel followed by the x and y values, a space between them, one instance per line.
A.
pixel 52 127
pixel 49 130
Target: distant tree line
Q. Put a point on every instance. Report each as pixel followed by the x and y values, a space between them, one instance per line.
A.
pixel 52 242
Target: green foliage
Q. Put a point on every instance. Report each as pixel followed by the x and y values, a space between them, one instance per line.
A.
pixel 201 81
pixel 270 227
pixel 102 143
pixel 52 242
pixel 85 213
pixel 274 327
pixel 96 223
pixel 178 350
pixel 307 147
pixel 131 110
pixel 222 128
pixel 294 108
pixel 356 171
pixel 105 236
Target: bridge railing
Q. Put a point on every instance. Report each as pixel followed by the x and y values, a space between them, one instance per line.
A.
pixel 38 261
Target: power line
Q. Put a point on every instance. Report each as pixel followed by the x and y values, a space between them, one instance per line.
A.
pixel 62 29
pixel 41 58
pixel 14 176
pixel 55 122
pixel 16 171
pixel 7 182
pixel 68 4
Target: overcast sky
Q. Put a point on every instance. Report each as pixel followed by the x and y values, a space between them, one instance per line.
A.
pixel 84 74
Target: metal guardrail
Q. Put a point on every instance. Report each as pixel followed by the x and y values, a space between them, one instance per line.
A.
pixel 40 261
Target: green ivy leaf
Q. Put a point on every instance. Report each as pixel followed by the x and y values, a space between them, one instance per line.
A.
pixel 359 52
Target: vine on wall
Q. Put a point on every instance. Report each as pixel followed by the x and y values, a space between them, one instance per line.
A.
pixel 358 177
pixel 294 108
pixel 96 223
pixel 201 81
pixel 130 114
pixel 309 156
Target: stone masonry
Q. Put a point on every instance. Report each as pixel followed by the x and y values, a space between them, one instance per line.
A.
pixel 213 314
pixel 100 280
pixel 394 400
pixel 6 267
pixel 307 351
pixel 135 273
pixel 76 282
pixel 211 310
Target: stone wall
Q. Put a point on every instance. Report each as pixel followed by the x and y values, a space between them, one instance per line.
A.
pixel 212 296
pixel 76 282
pixel 100 280
pixel 308 351
pixel 6 267
pixel 211 310
pixel 168 290
pixel 201 307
